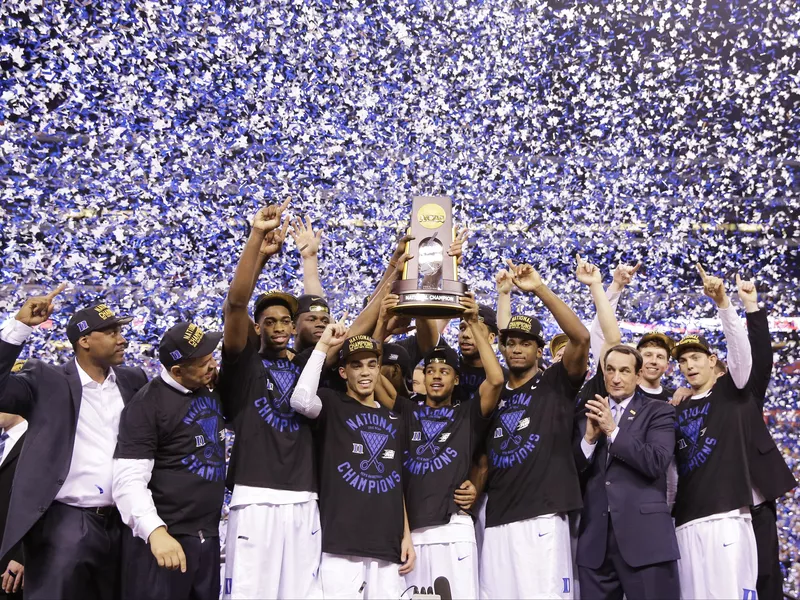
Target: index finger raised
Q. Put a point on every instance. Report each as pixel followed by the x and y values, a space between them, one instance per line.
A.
pixel 61 287
pixel 702 271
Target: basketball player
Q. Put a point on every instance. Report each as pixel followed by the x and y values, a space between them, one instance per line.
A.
pixel 274 518
pixel 169 474
pixel 532 480
pixel 712 506
pixel 366 540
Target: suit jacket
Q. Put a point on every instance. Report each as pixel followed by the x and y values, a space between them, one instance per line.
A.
pixel 49 397
pixel 7 470
pixel 631 482
pixel 768 470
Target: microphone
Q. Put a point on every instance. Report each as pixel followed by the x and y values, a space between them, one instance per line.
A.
pixel 441 587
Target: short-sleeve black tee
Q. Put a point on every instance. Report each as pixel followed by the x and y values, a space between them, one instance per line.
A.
pixel 711 441
pixel 438 453
pixel 273 446
pixel 361 492
pixel 184 435
pixel 529 447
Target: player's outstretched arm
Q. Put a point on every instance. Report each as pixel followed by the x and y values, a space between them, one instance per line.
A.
pixel 576 354
pixel 740 356
pixel 504 286
pixel 589 275
pixel 492 386
pixel 20 390
pixel 237 321
pixel 304 397
pixel 308 242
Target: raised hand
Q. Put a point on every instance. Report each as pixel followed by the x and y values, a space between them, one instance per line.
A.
pixel 525 277
pixel 587 273
pixel 747 293
pixel 269 217
pixel 38 309
pixel 504 281
pixel 334 335
pixel 400 248
pixel 470 315
pixel 273 240
pixel 387 304
pixel 305 238
pixel 399 266
pixel 713 287
pixel 457 246
pixel 624 274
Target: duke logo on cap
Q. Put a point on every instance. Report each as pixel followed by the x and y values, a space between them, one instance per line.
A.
pixel 185 341
pixel 93 318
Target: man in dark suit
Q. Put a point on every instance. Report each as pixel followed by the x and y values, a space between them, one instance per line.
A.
pixel 770 476
pixel 12 435
pixel 623 446
pixel 61 503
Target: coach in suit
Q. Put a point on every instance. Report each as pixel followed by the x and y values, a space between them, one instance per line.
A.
pixel 770 476
pixel 12 437
pixel 623 446
pixel 61 503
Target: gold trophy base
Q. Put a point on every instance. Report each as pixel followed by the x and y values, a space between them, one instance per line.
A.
pixel 434 304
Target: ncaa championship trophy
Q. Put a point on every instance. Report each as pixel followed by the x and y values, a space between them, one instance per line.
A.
pixel 429 287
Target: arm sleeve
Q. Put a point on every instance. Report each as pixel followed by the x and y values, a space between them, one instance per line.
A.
pixel 304 398
pixel 761 346
pixel 18 390
pixel 740 355
pixel 132 496
pixel 596 332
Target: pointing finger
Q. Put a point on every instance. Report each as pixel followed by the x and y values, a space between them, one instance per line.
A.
pixel 61 287
pixel 285 205
pixel 702 272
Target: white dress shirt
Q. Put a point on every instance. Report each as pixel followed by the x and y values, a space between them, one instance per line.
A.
pixel 88 482
pixel 14 433
pixel 588 449
pixel 131 479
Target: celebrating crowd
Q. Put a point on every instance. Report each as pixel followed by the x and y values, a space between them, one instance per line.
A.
pixel 351 478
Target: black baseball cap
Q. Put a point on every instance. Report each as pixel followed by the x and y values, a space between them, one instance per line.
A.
pixel 442 354
pixel 395 354
pixel 488 316
pixel 274 297
pixel 94 318
pixel 185 341
pixel 358 344
pixel 662 339
pixel 311 303
pixel 523 326
pixel 691 342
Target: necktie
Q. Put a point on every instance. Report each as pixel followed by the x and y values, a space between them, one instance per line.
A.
pixel 3 438
pixel 616 412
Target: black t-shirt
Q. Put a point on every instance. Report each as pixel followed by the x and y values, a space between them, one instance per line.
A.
pixel 665 394
pixel 361 492
pixel 439 444
pixel 273 446
pixel 184 434
pixel 711 441
pixel 529 446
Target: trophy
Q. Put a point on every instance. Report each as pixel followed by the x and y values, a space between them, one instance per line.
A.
pixel 429 287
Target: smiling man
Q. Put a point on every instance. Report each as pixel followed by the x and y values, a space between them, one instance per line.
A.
pixel 712 506
pixel 532 480
pixel 366 541
pixel 623 446
pixel 63 483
